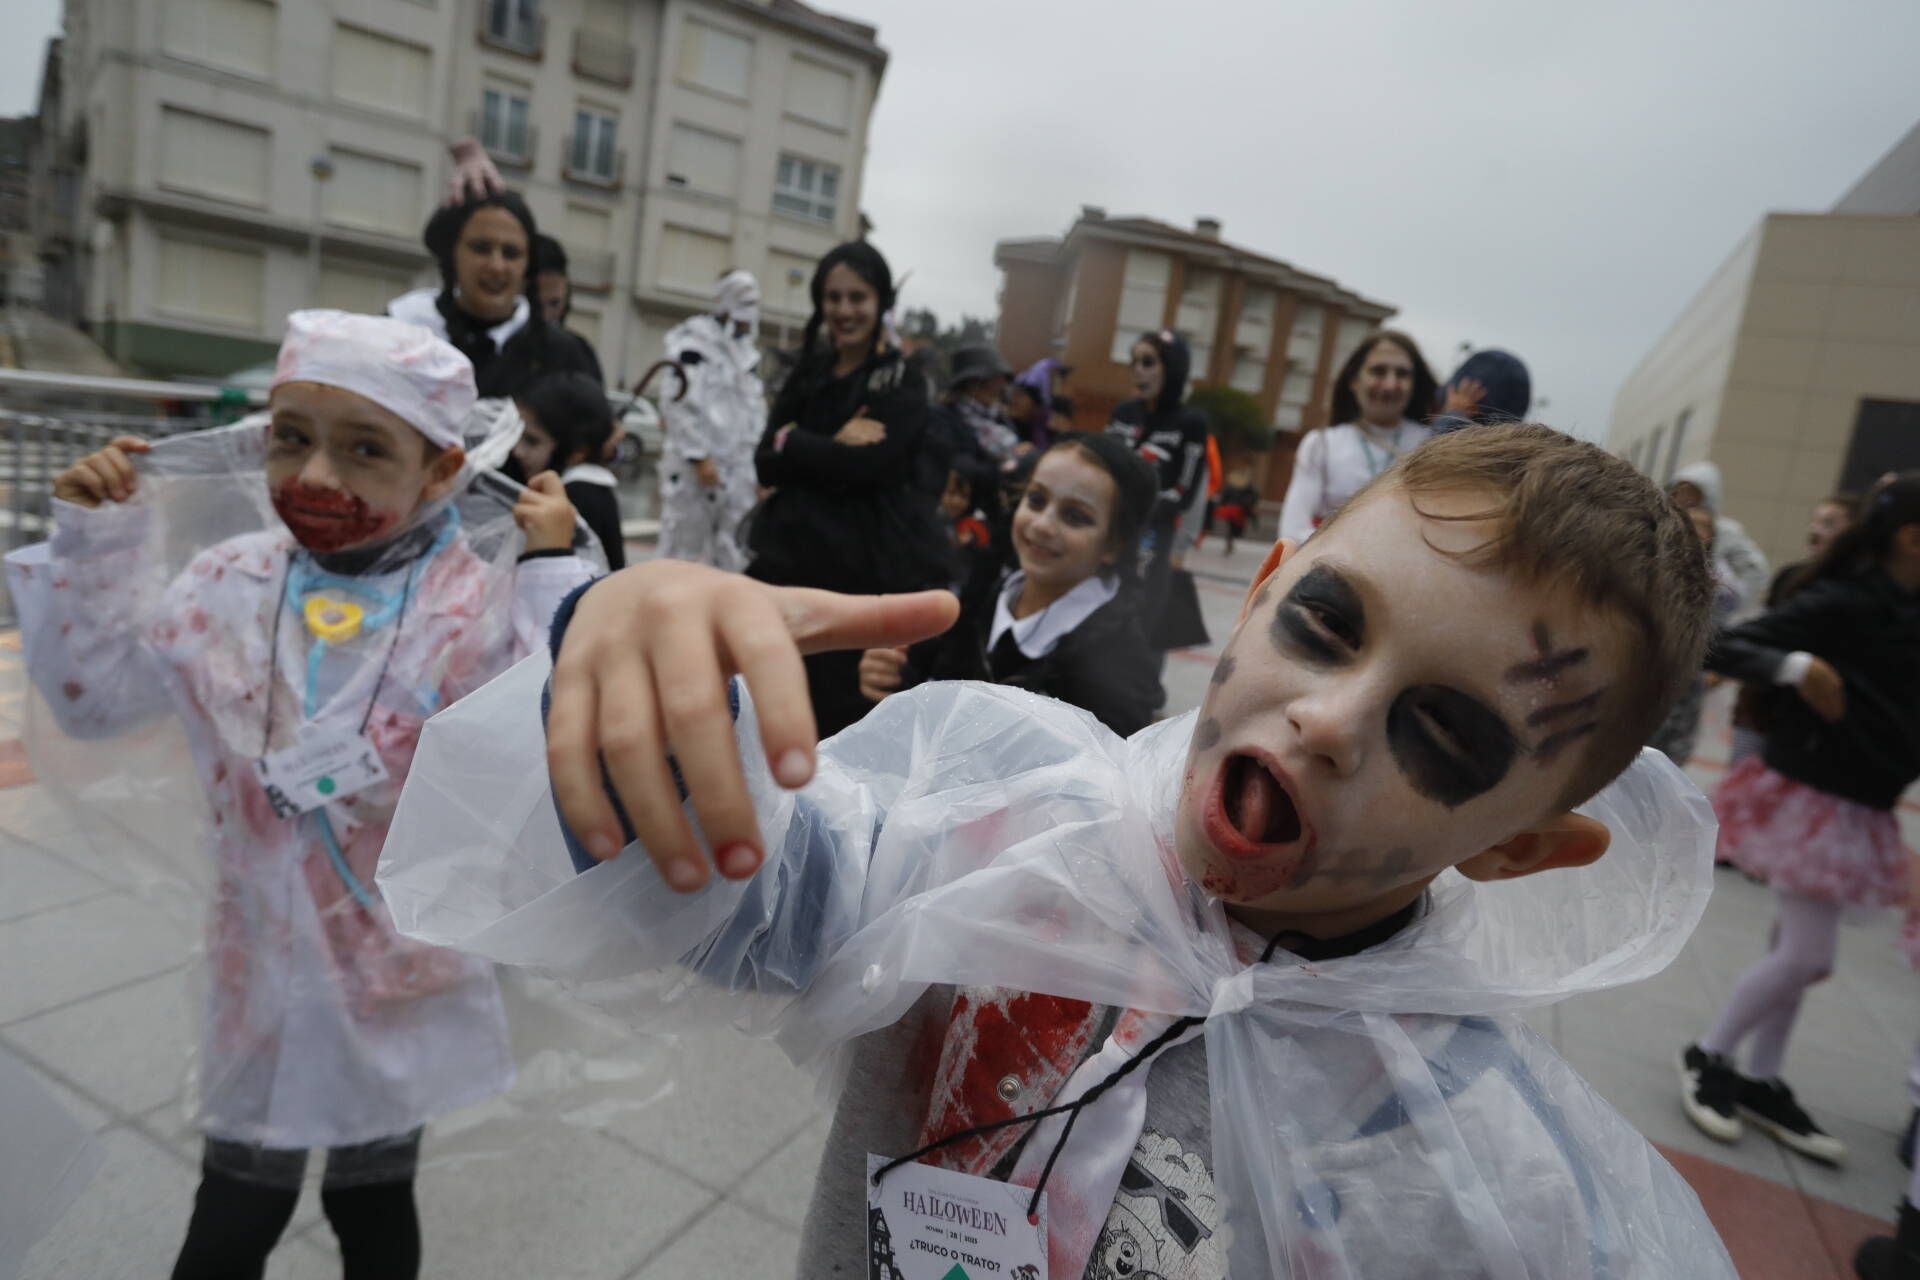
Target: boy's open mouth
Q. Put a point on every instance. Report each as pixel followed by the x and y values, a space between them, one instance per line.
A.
pixel 1251 813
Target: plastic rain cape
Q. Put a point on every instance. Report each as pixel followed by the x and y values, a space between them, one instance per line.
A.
pixel 1382 1115
pixel 150 629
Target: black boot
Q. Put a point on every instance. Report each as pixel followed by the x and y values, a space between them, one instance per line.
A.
pixel 1906 1139
pixel 1881 1258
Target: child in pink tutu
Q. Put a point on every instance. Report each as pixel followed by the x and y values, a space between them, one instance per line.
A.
pixel 1813 814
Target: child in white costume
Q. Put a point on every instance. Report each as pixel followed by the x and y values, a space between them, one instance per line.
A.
pixel 319 644
pixel 707 483
pixel 1249 967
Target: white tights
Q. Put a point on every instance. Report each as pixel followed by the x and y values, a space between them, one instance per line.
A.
pixel 1806 934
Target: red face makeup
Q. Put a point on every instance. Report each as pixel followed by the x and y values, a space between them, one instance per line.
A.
pixel 325 520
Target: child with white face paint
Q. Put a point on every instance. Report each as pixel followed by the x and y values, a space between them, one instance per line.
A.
pixel 1237 967
pixel 330 636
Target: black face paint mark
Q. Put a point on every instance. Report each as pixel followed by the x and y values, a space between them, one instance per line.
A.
pixel 1550 663
pixel 1222 670
pixel 1322 617
pixel 1394 864
pixel 1559 710
pixel 1550 746
pixel 1360 866
pixel 1451 746
pixel 1207 736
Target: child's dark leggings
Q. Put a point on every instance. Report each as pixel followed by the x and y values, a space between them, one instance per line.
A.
pixel 247 1195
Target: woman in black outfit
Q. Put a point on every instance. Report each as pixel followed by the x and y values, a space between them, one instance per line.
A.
pixel 1066 622
pixel 487 305
pixel 1170 435
pixel 839 454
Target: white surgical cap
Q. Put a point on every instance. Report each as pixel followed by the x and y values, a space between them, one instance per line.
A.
pixel 399 366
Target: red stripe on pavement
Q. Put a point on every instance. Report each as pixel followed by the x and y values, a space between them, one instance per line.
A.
pixel 14 769
pixel 1773 1231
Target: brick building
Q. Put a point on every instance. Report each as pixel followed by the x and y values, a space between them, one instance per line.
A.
pixel 1256 323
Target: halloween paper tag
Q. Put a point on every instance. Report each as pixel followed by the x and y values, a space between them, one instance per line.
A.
pixel 925 1223
pixel 321 766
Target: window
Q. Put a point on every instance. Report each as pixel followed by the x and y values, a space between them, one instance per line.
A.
pixel 590 153
pixel 1252 340
pixel 503 124
pixel 1303 342
pixel 201 281
pixel 1295 392
pixel 358 290
pixel 585 227
pixel 1143 300
pixel 212 157
pixel 788 275
pixel 819 93
pixel 703 161
pixel 236 35
pixel 1199 316
pixel 514 24
pixel 692 260
pixel 714 59
pixel 1673 450
pixel 372 192
pixel 606 18
pixel 1882 441
pixel 1353 330
pixel 372 70
pixel 806 188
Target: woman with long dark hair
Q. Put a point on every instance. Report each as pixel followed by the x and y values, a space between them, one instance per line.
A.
pixel 1172 436
pixel 1066 622
pixel 845 513
pixel 487 305
pixel 1813 813
pixel 1382 398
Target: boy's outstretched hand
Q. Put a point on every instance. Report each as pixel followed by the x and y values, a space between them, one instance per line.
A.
pixel 105 476
pixel 641 679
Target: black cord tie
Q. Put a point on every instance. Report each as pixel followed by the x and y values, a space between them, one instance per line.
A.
pixel 1071 1109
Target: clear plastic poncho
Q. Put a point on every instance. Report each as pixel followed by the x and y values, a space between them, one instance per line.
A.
pixel 1387 1114
pixel 171 642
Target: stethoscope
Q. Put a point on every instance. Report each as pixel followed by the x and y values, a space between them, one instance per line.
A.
pixel 333 622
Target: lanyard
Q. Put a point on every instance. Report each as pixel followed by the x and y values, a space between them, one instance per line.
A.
pixel 1367 446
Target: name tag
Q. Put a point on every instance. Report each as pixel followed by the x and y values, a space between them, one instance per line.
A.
pixel 321 766
pixel 925 1223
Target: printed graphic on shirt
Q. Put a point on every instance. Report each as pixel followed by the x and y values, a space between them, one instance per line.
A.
pixel 1165 1222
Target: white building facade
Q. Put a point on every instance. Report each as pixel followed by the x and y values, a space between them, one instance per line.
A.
pixel 237 159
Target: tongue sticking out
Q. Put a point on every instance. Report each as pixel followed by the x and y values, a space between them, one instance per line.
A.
pixel 1257 805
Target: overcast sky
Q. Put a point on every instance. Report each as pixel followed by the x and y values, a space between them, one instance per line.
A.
pixel 1550 177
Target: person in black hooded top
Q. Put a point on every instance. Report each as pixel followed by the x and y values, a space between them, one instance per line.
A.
pixel 1065 622
pixel 843 437
pixel 1170 435
pixel 487 305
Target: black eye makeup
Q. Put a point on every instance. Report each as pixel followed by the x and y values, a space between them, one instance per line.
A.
pixel 1321 618
pixel 1450 745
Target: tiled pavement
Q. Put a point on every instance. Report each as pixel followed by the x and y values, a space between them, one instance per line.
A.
pixel 714 1180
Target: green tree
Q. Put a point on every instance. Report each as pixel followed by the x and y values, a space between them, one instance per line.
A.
pixel 1236 419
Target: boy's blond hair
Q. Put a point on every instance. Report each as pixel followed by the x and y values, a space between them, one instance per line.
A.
pixel 1570 515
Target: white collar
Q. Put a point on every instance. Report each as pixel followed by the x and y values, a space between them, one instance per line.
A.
pixel 590 473
pixel 420 306
pixel 522 312
pixel 1038 634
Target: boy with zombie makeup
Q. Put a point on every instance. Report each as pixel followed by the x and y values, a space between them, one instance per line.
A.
pixel 1237 994
pixel 302 660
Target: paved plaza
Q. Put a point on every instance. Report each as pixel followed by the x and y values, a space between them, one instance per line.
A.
pixel 714 1180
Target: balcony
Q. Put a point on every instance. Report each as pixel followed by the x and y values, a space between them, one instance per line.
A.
pixel 590 270
pixel 513 26
pixel 581 165
pixel 507 147
pixel 600 57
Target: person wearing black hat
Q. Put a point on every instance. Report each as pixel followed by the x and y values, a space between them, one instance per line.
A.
pixel 849 511
pixel 553 288
pixel 1172 436
pixel 487 305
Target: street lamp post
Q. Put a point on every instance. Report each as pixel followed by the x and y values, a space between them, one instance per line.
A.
pixel 321 167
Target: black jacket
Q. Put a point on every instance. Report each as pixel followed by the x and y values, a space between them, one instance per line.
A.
pixel 536 350
pixel 1103 665
pixel 1179 435
pixel 1868 628
pixel 852 518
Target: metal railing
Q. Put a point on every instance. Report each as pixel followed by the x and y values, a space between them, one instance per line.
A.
pixel 516 28
pixel 603 57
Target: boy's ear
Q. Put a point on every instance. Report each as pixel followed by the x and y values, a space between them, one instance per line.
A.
pixel 1568 840
pixel 1275 558
pixel 442 472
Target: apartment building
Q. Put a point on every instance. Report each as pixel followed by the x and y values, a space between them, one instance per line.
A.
pixel 1254 322
pixel 232 160
pixel 1796 368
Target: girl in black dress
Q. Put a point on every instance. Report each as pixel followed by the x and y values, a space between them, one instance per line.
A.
pixel 1173 437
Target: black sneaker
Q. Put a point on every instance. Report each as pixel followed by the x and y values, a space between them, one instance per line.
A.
pixel 1906 1139
pixel 1709 1093
pixel 1770 1104
pixel 1892 1257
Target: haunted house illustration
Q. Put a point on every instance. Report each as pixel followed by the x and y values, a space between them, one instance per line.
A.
pixel 880 1260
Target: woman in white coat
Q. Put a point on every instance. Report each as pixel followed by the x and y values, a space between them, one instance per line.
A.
pixel 303 660
pixel 1382 398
